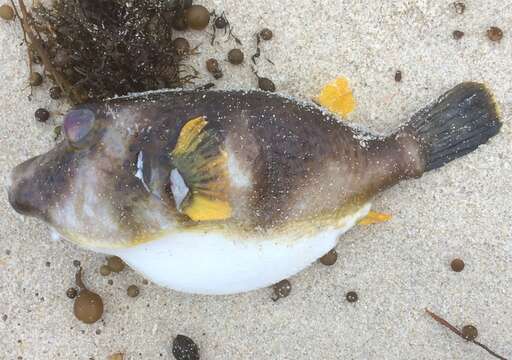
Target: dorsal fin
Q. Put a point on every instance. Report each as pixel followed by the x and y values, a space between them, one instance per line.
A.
pixel 201 166
pixel 337 97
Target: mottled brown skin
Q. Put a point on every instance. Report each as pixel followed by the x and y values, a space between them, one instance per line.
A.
pixel 289 144
pixel 303 162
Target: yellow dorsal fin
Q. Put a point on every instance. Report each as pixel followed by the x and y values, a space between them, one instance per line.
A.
pixel 337 97
pixel 202 163
pixel 374 217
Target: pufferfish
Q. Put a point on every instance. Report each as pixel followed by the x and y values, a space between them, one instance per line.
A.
pixel 220 192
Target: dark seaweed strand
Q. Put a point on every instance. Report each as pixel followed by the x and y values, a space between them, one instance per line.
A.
pixel 458 332
pixel 92 42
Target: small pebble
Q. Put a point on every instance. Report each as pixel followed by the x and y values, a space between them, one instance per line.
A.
pixel 47 264
pixel 110 282
pixel 457 265
pixel 6 12
pixel 181 46
pixel 469 332
pixel 494 33
pixel 266 84
pixel 212 65
pixel 184 348
pixel 132 291
pixel 352 297
pixel 7 252
pixel 145 282
pixel 42 115
pixel 282 289
pixel 4 317
pixel 329 258
pixel 198 17
pixel 115 263
pixel 35 79
pixel 398 76
pixel 55 92
pixel 221 22
pixel 88 307
pixel 266 34
pixel 460 7
pixel 236 56
pixel 457 34
pixel 76 263
pixel 105 270
pixel 71 293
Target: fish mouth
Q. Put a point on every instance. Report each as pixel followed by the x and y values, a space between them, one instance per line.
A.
pixel 37 184
pixel 19 208
pixel 19 191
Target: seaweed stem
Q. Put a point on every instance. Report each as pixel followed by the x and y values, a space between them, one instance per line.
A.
pixel 31 71
pixel 35 41
pixel 445 323
pixel 78 280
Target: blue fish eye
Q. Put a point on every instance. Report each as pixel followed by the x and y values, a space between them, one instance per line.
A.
pixel 78 124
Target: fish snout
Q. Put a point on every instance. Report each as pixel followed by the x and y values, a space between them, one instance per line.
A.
pixel 24 189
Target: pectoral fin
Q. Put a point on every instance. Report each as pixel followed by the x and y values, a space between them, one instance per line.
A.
pixel 374 218
pixel 337 97
pixel 201 175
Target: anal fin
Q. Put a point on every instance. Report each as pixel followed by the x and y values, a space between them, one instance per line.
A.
pixel 374 217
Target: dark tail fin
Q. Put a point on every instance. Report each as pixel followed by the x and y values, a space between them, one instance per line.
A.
pixel 456 124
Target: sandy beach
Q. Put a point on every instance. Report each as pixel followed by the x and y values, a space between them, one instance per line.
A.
pixel 398 268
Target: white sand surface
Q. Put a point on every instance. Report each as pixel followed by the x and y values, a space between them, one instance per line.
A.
pixel 398 268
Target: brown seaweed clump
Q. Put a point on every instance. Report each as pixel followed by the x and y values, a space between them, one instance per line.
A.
pixel 104 48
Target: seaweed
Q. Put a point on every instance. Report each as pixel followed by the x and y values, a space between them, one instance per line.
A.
pixel 452 328
pixel 97 49
pixel 221 22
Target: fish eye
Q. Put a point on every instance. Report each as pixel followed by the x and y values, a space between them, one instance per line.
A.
pixel 78 124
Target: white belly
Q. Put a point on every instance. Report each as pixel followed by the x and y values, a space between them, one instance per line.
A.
pixel 215 264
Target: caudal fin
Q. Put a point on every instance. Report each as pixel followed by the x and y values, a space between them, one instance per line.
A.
pixel 456 124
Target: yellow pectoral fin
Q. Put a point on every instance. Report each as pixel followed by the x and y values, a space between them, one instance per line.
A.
pixel 188 134
pixel 201 163
pixel 374 218
pixel 202 208
pixel 337 97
